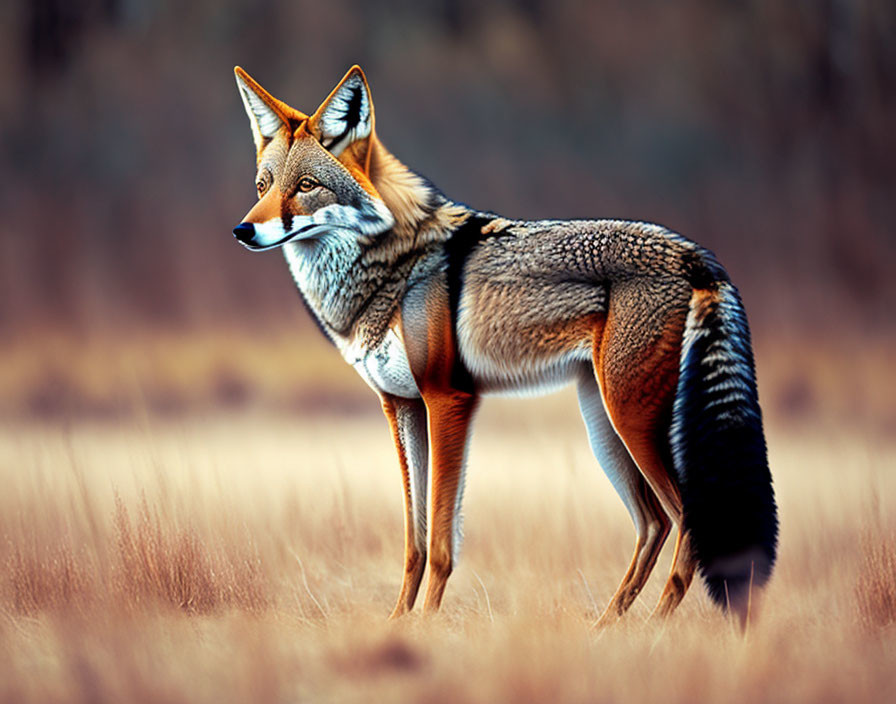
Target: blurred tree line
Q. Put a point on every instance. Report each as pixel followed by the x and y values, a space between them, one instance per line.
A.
pixel 762 129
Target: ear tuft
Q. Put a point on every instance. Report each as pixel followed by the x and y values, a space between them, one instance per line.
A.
pixel 346 116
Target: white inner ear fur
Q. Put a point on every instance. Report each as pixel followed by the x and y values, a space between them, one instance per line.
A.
pixel 265 122
pixel 346 118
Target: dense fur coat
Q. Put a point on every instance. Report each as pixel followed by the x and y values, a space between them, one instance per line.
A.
pixel 435 304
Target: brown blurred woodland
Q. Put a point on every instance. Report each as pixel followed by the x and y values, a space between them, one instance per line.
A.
pixel 764 130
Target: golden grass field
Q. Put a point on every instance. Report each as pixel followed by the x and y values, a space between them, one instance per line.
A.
pixel 253 557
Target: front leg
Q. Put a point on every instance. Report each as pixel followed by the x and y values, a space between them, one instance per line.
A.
pixel 450 414
pixel 407 420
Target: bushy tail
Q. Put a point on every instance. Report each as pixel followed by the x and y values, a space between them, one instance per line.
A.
pixel 718 450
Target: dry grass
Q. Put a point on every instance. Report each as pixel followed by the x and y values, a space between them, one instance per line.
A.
pixel 247 558
pixel 876 584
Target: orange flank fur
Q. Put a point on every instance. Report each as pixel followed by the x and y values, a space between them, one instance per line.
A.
pixel 637 386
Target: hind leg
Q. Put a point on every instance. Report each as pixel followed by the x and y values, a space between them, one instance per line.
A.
pixel 637 366
pixel 680 576
pixel 651 523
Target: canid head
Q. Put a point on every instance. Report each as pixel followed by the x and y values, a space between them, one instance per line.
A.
pixel 313 171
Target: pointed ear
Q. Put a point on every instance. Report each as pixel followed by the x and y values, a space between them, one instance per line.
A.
pixel 345 118
pixel 266 114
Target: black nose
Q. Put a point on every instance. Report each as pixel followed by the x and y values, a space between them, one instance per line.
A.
pixel 244 232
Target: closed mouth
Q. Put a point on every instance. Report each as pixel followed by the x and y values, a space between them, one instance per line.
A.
pixel 283 240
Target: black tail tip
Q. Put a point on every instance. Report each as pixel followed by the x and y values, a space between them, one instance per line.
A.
pixel 732 580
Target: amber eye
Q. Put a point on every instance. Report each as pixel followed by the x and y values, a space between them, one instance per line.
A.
pixel 263 182
pixel 307 183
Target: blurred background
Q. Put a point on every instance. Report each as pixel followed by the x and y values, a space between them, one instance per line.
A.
pixel 764 130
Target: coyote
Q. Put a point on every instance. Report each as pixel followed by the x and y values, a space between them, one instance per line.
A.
pixel 436 304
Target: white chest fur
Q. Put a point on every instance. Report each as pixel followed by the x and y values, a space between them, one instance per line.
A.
pixel 319 268
pixel 385 367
